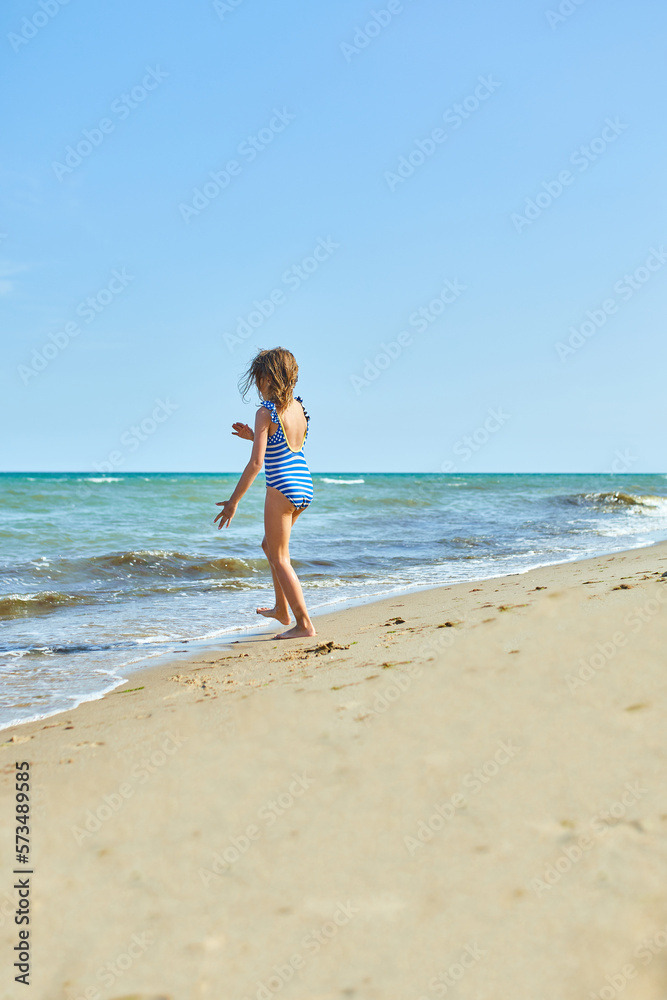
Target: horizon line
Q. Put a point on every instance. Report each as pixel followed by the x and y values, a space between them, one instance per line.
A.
pixel 118 473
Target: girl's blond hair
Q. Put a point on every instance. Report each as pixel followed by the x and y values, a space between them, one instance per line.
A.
pixel 279 367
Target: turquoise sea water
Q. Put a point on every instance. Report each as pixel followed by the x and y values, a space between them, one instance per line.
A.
pixel 100 573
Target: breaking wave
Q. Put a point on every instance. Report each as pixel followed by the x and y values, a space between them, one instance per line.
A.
pixel 42 603
pixel 617 500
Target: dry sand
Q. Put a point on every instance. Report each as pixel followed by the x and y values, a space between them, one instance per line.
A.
pixel 469 802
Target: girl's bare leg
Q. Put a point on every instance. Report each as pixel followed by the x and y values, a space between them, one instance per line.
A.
pixel 279 516
pixel 280 609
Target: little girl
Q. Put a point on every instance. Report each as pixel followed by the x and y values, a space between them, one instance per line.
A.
pixel 281 429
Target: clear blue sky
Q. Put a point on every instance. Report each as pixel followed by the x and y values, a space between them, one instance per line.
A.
pixel 315 117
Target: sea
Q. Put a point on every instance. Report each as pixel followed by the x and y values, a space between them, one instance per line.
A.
pixel 101 575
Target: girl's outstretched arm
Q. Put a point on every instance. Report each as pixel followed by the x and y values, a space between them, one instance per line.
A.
pixel 251 471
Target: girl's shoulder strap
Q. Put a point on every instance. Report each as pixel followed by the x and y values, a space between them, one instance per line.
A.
pixel 271 407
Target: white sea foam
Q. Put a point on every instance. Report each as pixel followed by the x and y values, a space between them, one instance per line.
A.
pixel 157 638
pixel 659 503
pixel 343 482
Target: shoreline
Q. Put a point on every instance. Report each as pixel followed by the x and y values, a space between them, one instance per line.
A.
pixel 248 639
pixel 479 766
pixel 218 644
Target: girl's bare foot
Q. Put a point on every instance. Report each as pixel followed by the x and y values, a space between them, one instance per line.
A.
pixel 298 632
pixel 282 616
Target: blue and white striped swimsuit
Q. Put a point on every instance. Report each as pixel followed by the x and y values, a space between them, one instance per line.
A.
pixel 286 470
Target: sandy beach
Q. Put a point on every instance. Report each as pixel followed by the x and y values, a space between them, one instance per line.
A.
pixel 454 792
